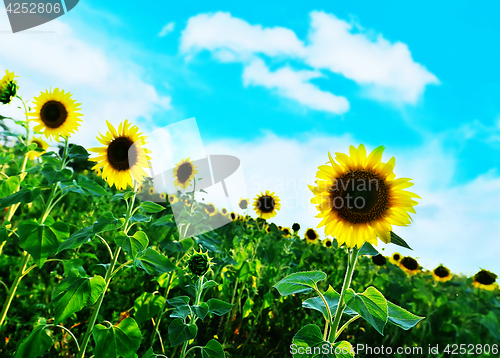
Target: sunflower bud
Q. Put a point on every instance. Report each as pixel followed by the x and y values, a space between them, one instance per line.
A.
pixel 8 87
pixel 295 227
pixel 199 263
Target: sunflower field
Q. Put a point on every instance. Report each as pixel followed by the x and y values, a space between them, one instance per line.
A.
pixel 93 262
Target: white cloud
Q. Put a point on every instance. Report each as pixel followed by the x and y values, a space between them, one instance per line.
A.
pixel 108 87
pixel 222 32
pixel 385 71
pixel 294 85
pixel 387 68
pixel 168 28
pixel 454 225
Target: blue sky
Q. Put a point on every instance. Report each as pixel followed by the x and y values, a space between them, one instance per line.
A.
pixel 280 84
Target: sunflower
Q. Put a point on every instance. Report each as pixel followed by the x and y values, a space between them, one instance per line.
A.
pixel 327 243
pixel 486 280
pixel 123 156
pixel 442 274
pixel 379 260
pixel 163 196
pixel 224 212
pixel 8 87
pixel 295 227
pixel 311 236
pixel 268 229
pixel 243 203
pixel 183 173
pixel 233 216
pixel 266 205
pixel 187 202
pixel 56 114
pixel 40 143
pixel 359 198
pixel 211 210
pixel 172 199
pixel 151 191
pixel 409 265
pixel 395 258
pixel 286 232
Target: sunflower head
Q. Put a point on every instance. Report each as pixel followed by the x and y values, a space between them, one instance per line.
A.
pixel 172 199
pixel 199 263
pixel 327 243
pixel 163 196
pixel 359 199
pixel 286 232
pixel 56 114
pixel 8 87
pixel 187 202
pixel 224 212
pixel 296 227
pixel 122 156
pixel 40 143
pixel 210 209
pixel 442 274
pixel 395 258
pixel 243 203
pixel 311 236
pixel 379 260
pixel 233 216
pixel 485 280
pixel 184 172
pixel 151 190
pixel 409 265
pixel 266 205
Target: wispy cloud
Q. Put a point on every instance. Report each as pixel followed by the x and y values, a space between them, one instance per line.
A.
pixel 168 28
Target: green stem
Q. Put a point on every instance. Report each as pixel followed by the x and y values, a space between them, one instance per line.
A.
pixel 160 313
pixel 13 288
pixel 67 330
pixel 199 291
pixel 345 326
pixel 347 283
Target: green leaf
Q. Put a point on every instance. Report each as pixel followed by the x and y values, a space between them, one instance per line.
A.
pixel 77 239
pixel 122 340
pixel 201 310
pixel 397 240
pixel 309 342
pixel 97 285
pixel 367 249
pixel 153 262
pixel 247 307
pixel 140 219
pixel 22 196
pixel 9 186
pixel 180 332
pixel 38 240
pixel 107 222
pixel 60 229
pixel 177 246
pixel 150 354
pixel 37 343
pixel 332 298
pixel 213 349
pixel 299 282
pixel 132 244
pixel 209 284
pixel 218 307
pixel 178 301
pixel 181 312
pixel 147 306
pixel 122 196
pixel 74 267
pixel 78 152
pixel 371 305
pixel 4 235
pixel 401 317
pixel 70 296
pixel 151 207
pixel 91 186
pixel 166 220
pixel 490 321
pixel 72 186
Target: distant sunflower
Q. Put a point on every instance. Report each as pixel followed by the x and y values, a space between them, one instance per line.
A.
pixel 233 216
pixel 268 229
pixel 243 203
pixel 311 236
pixel 184 172
pixel 286 232
pixel 163 196
pixel 151 191
pixel 172 199
pixel 409 265
pixel 295 227
pixel 266 205
pixel 8 87
pixel 327 243
pixel 210 209
pixel 123 156
pixel 187 202
pixel 442 274
pixel 224 212
pixel 379 260
pixel 485 280
pixel 56 114
pixel 359 198
pixel 40 143
pixel 395 258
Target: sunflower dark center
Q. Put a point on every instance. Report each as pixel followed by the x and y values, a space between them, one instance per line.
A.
pixel 233 216
pixel 359 196
pixel 441 271
pixel 184 172
pixel 485 278
pixel 328 243
pixel 396 257
pixel 296 227
pixel 286 231
pixel 265 203
pixel 122 153
pixel 244 204
pixel 38 144
pixel 379 260
pixel 210 208
pixel 311 235
pixel 410 263
pixel 53 114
